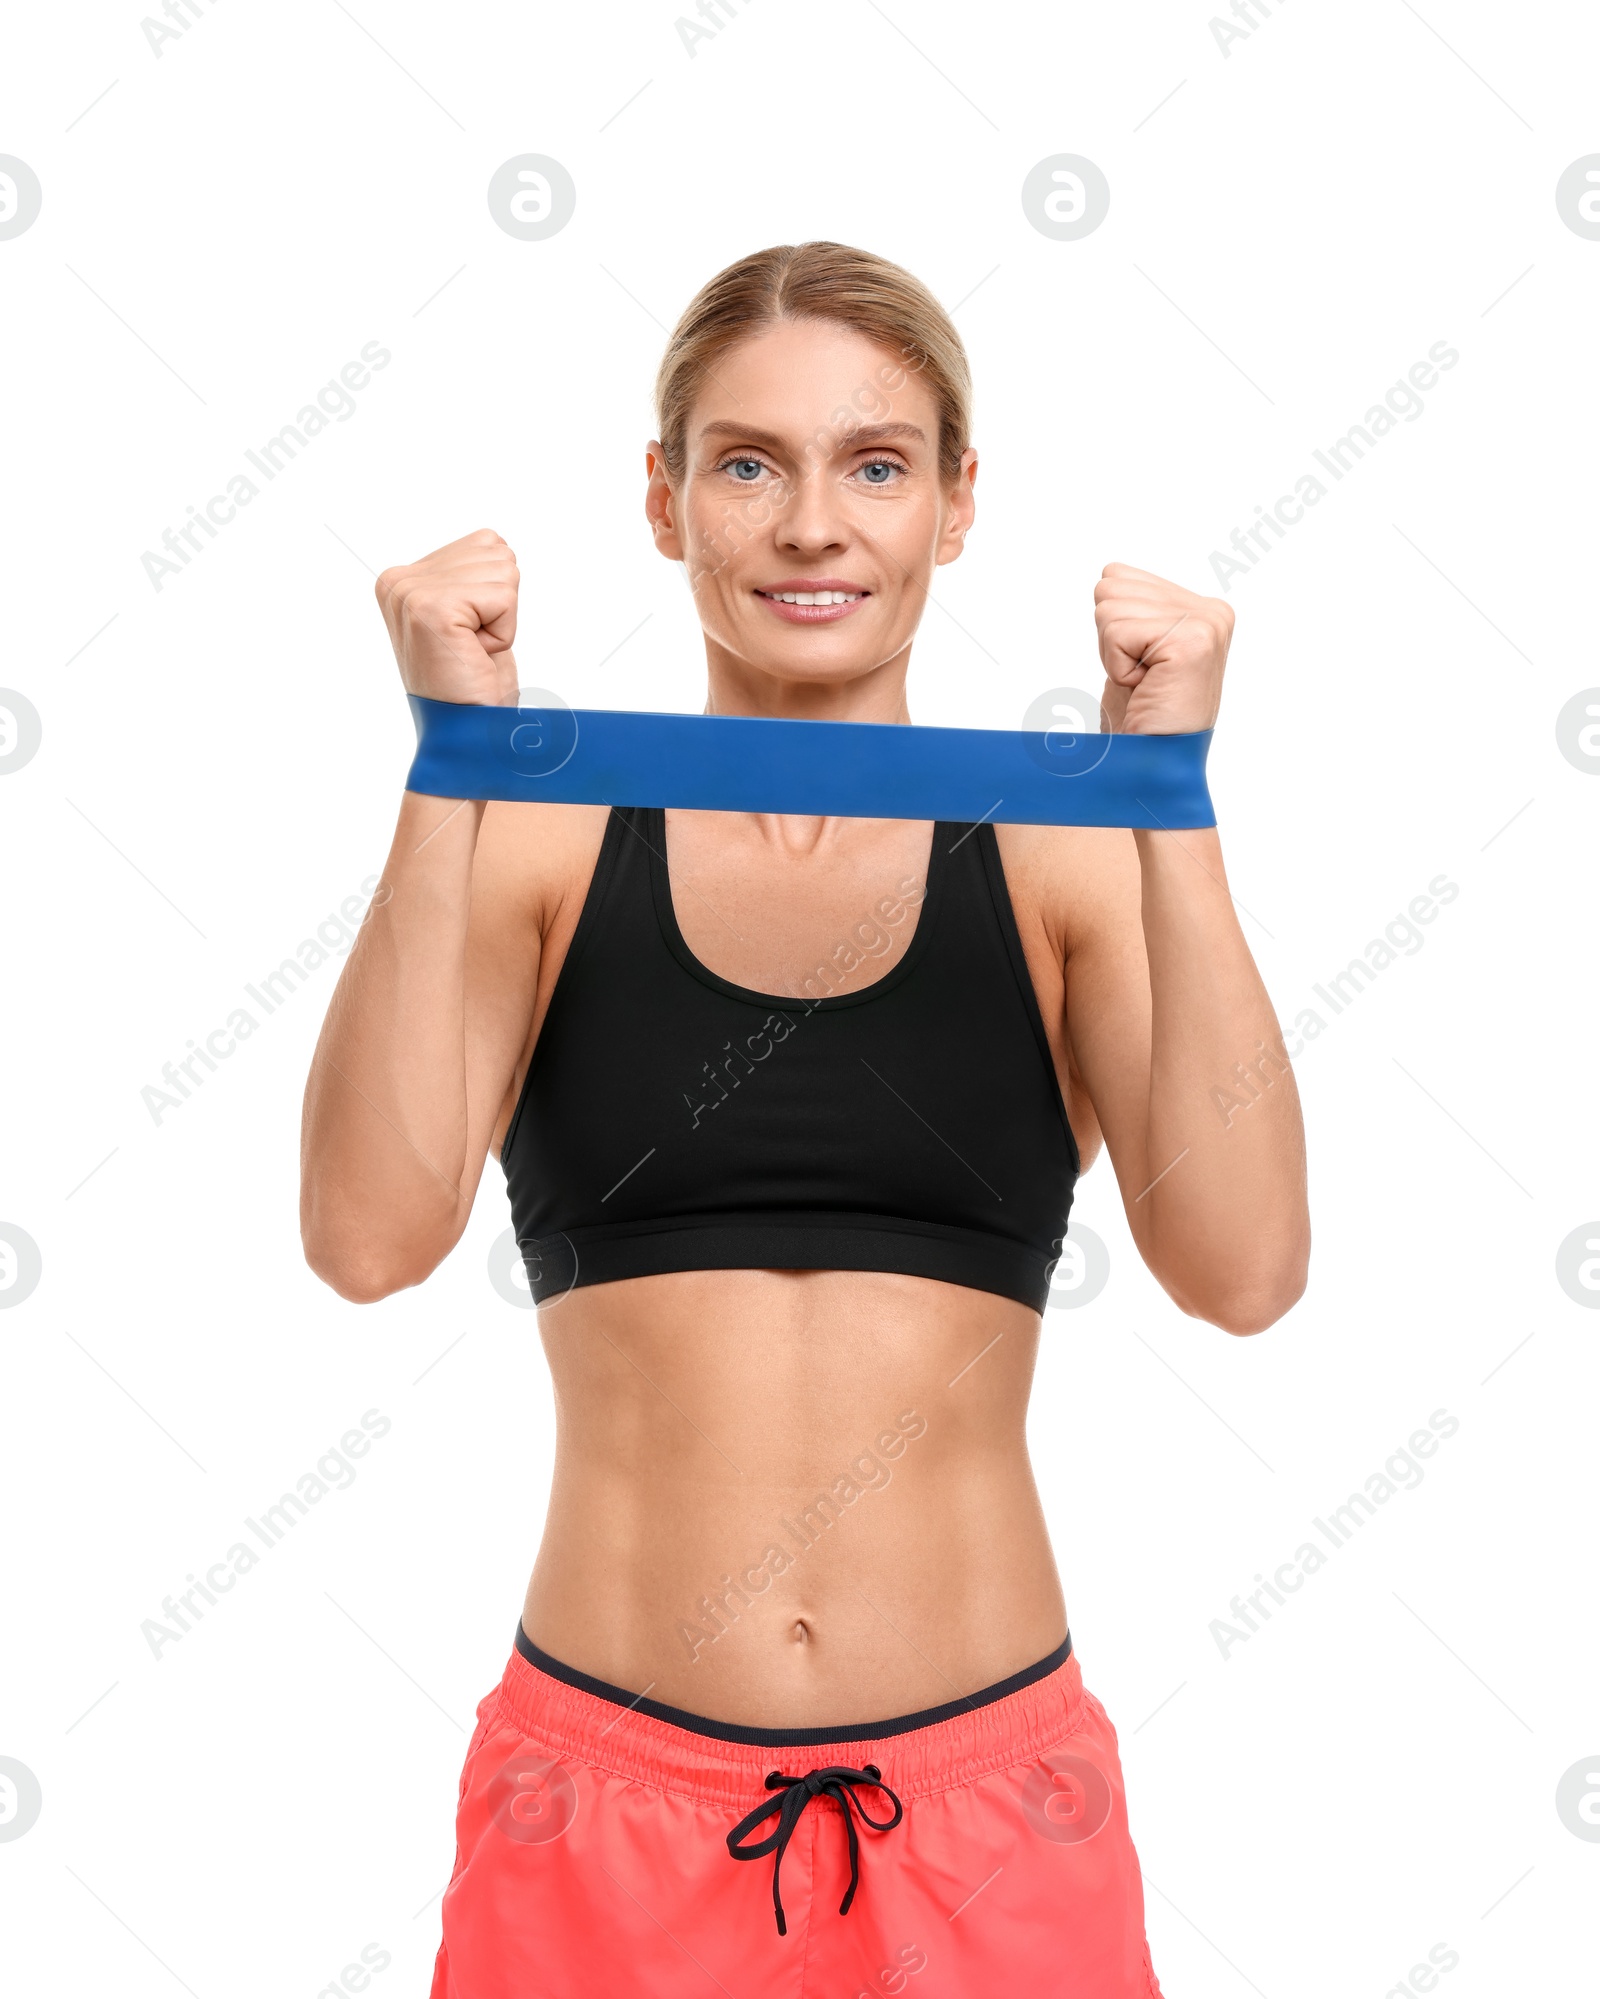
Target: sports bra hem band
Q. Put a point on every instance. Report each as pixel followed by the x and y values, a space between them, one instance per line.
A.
pixel 573 1260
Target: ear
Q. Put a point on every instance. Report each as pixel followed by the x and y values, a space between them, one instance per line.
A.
pixel 960 509
pixel 659 502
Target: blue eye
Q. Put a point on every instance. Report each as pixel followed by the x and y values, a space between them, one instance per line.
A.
pixel 745 468
pixel 876 473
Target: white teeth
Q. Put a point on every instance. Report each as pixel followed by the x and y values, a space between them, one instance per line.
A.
pixel 815 596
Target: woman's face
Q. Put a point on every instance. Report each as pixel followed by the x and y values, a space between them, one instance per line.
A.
pixel 811 471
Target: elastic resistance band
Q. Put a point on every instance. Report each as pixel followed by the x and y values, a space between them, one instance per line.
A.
pixel 864 770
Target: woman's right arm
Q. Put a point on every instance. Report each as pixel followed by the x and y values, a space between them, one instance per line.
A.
pixel 432 1010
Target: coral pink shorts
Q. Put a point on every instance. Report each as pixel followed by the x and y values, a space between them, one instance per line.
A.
pixel 980 1847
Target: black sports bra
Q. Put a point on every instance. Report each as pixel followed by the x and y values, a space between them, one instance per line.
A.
pixel 671 1120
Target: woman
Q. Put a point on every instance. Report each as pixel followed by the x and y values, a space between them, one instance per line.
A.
pixel 790 1112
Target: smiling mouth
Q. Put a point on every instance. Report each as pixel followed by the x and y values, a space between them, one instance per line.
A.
pixel 813 596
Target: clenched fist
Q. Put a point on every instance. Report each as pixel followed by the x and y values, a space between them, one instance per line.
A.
pixel 452 618
pixel 1163 649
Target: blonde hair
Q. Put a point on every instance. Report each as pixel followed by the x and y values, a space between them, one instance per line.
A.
pixel 823 281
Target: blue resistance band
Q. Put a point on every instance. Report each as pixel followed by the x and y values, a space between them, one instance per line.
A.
pixel 864 770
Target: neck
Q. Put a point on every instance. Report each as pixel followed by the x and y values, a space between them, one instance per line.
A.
pixel 736 687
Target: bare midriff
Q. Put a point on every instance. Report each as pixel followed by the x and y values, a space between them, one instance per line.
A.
pixel 793 1498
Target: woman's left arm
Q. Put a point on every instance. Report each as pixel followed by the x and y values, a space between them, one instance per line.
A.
pixel 1171 1027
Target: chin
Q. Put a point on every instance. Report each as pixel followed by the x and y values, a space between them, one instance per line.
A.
pixel 806 667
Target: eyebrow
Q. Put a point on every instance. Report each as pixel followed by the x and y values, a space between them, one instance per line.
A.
pixel 856 436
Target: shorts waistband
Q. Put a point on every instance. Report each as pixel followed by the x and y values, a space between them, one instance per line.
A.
pixel 791 1738
pixel 573 1715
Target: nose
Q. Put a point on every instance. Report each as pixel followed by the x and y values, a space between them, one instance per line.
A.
pixel 814 520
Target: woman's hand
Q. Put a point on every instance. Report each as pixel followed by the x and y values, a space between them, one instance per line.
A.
pixel 1163 649
pixel 452 618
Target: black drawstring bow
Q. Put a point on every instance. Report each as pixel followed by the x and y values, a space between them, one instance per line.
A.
pixel 835 1782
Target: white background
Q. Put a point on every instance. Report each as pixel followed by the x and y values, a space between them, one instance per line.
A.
pixel 1372 1773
